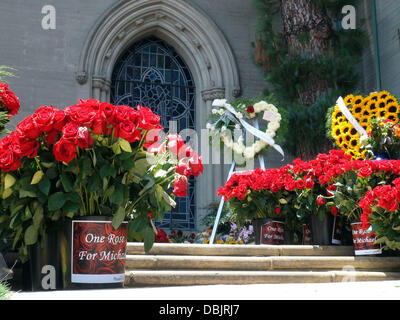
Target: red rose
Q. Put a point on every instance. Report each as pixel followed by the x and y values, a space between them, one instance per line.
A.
pixel 107 111
pixel 25 148
pixel 8 99
pixel 59 120
pixel 175 143
pixel 64 150
pixel 321 201
pixel 9 161
pixel 196 165
pixel 44 118
pixel 309 184
pixel 180 187
pixel 364 172
pixel 183 169
pixel 51 137
pixel 250 109
pixel 129 132
pixel 28 128
pixel 82 114
pixel 83 138
pixel 334 210
pixel 70 131
pixel 121 114
pixel 147 120
pixel 278 210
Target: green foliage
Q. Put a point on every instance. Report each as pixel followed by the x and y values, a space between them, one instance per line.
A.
pixel 291 74
pixel 45 193
pixel 4 291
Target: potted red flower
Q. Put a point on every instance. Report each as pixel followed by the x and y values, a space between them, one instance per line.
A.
pixel 106 164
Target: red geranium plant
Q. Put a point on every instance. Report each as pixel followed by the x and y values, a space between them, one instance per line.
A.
pixel 91 158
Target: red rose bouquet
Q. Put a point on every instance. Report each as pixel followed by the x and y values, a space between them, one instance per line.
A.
pixel 381 212
pixel 91 158
pixel 9 105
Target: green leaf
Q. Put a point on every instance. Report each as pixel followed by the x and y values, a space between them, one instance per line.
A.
pixel 116 148
pixel 106 171
pixel 94 183
pixel 117 196
pixel 149 238
pixel 138 224
pixel 6 193
pixel 37 177
pixel 17 236
pixel 56 201
pixel 118 217
pixel 168 199
pixel 9 181
pixel 125 145
pixel 140 167
pixel 38 217
pixel 27 194
pixel 44 185
pixel 66 182
pixel 31 235
pixel 52 173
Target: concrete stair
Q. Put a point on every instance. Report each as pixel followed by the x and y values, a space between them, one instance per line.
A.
pixel 197 264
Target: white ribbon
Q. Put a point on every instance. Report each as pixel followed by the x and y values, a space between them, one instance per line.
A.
pixel 349 116
pixel 254 131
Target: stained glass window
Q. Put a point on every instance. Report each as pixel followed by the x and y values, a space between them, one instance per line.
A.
pixel 152 74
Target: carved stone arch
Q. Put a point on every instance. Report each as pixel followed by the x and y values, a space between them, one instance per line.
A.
pixel 181 24
pixel 194 36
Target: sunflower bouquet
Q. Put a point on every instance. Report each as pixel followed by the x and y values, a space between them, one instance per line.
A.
pixel 381 105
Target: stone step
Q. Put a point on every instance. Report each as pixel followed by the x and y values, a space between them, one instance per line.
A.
pixel 136 248
pixel 162 262
pixel 210 277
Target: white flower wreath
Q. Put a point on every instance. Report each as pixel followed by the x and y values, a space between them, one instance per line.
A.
pixel 227 118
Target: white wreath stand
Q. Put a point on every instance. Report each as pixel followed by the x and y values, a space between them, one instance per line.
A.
pixel 221 203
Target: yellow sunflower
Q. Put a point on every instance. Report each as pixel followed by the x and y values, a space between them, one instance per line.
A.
pixel 393 116
pixel 337 113
pixel 374 96
pixel 348 99
pixel 357 109
pixel 383 95
pixel 381 104
pixel 336 132
pixel 390 99
pixel 357 100
pixel 372 106
pixel 345 128
pixel 392 107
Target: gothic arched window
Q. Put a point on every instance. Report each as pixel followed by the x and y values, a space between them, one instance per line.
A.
pixel 150 73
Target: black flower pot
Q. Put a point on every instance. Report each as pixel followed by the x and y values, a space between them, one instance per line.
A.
pixel 43 269
pixel 321 230
pixel 63 259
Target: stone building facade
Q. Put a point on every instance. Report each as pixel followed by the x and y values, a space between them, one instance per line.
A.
pixel 210 41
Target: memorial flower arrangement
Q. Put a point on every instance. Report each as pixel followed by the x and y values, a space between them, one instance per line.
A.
pixel 88 159
pixel 229 123
pixel 383 140
pixel 381 212
pixel 381 105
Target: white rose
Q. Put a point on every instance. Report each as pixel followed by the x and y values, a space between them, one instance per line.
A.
pixel 209 126
pixel 258 146
pixel 273 125
pixel 239 115
pixel 224 128
pixel 271 133
pixel 221 112
pixel 219 103
pixel 364 140
pixel 249 152
pixel 259 106
pixel 214 111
